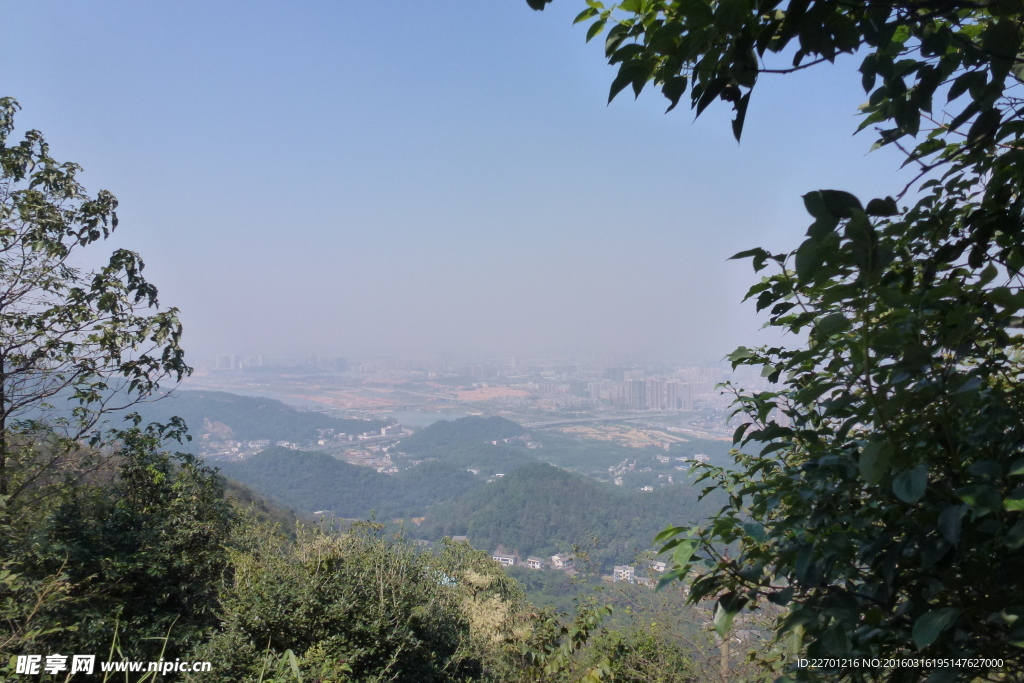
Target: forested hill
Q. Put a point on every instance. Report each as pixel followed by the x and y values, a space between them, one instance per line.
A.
pixel 469 443
pixel 258 506
pixel 466 431
pixel 313 481
pixel 247 417
pixel 541 509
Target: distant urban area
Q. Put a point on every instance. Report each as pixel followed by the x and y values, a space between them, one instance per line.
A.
pixel 636 405
pixel 526 459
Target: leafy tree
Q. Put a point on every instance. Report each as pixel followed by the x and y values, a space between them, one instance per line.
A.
pixel 886 512
pixel 359 607
pixel 142 553
pixel 643 655
pixel 104 538
pixel 73 344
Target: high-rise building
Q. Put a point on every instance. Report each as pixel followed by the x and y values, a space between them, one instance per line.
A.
pixel 673 396
pixel 615 374
pixel 655 394
pixel 637 394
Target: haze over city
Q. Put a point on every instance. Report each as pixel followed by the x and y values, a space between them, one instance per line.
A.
pixel 314 180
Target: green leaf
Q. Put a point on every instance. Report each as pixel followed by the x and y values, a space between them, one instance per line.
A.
pixel 809 395
pixel 293 662
pixel 835 640
pixel 782 597
pixel 988 274
pixel 673 89
pixel 729 15
pixel 631 72
pixel 669 532
pixel 684 551
pixel 869 71
pixel 1002 38
pixel 874 461
pixel 725 611
pixel 930 624
pixel 585 14
pixel 950 521
pixel 909 485
pixel 741 353
pixel 987 469
pixel 832 324
pixel 1017 467
pixel 741 115
pixel 982 497
pixel 1015 501
pixel 697 12
pixel 595 29
pixel 712 90
pixel 808 259
pixel 984 126
pixel 759 256
pixel 1015 536
pixel 882 207
pixel 738 434
pixel 831 203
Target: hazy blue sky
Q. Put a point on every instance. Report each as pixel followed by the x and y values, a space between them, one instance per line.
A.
pixel 356 178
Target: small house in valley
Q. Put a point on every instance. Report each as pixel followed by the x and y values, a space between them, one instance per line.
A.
pixel 504 560
pixel 624 573
pixel 561 561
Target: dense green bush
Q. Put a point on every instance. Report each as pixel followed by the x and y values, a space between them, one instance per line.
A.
pixel 354 606
pixel 139 552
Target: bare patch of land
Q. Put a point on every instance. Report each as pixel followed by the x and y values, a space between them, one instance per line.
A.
pixel 625 435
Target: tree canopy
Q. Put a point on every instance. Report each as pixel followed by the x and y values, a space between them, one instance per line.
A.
pixel 884 511
pixel 74 345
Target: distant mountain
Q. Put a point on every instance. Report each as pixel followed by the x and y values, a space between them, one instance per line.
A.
pixel 469 442
pixel 466 431
pixel 246 418
pixel 540 509
pixel 593 457
pixel 534 508
pixel 314 481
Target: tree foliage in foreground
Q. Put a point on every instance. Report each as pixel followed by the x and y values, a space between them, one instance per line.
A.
pixel 74 345
pixel 886 512
pixel 139 553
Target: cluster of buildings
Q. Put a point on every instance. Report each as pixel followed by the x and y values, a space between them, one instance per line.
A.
pixel 627 573
pixel 374 451
pixel 621 573
pixel 637 387
pixel 635 394
pixel 212 448
pixel 629 466
pixel 560 561
pixel 258 361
